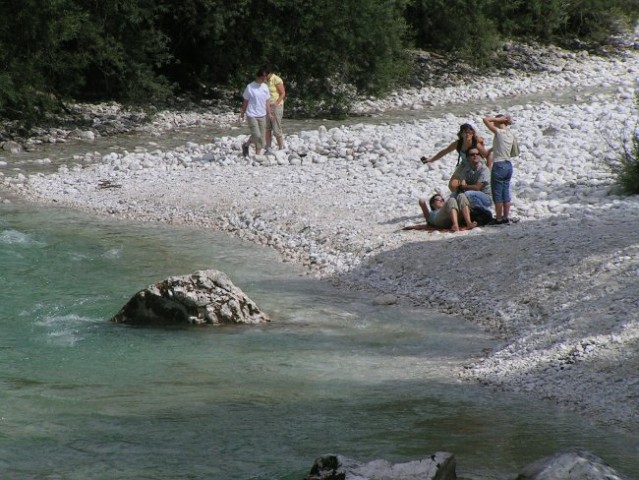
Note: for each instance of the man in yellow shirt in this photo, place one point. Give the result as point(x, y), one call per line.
point(274, 124)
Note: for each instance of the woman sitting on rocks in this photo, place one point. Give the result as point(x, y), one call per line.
point(467, 138)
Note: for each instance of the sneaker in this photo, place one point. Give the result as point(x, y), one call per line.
point(504, 221)
point(268, 151)
point(245, 149)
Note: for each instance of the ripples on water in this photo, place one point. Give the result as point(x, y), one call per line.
point(83, 398)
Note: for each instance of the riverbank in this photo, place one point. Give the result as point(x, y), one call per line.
point(561, 287)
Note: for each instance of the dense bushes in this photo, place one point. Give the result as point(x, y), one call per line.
point(326, 48)
point(146, 51)
point(54, 50)
point(473, 27)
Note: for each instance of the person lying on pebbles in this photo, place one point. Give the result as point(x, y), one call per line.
point(445, 213)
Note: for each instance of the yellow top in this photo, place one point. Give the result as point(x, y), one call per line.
point(273, 82)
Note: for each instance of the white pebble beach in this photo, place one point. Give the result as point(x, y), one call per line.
point(560, 288)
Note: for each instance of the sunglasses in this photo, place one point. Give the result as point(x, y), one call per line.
point(473, 154)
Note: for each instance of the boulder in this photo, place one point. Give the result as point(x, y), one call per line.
point(573, 464)
point(204, 297)
point(440, 466)
point(11, 146)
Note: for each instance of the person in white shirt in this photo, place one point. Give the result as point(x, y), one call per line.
point(256, 107)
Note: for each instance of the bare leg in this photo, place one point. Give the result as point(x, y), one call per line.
point(454, 217)
point(280, 141)
point(506, 210)
point(466, 215)
point(499, 211)
point(268, 138)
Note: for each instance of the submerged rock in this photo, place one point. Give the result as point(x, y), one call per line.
point(440, 466)
point(204, 297)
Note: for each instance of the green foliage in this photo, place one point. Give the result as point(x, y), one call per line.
point(52, 50)
point(36, 56)
point(337, 49)
point(462, 26)
point(595, 20)
point(125, 50)
point(328, 51)
point(473, 28)
point(208, 41)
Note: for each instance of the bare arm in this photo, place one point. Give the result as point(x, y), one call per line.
point(482, 150)
point(425, 210)
point(490, 123)
point(282, 91)
point(476, 187)
point(440, 154)
point(269, 110)
point(243, 109)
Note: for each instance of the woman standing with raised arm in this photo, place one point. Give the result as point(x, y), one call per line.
point(504, 147)
point(467, 138)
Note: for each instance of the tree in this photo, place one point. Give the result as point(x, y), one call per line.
point(54, 50)
point(328, 51)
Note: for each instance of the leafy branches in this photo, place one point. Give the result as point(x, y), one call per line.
point(329, 51)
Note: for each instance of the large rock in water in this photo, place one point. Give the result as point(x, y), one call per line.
point(440, 466)
point(573, 464)
point(204, 297)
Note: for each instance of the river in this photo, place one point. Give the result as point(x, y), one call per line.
point(81, 397)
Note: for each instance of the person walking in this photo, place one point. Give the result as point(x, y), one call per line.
point(256, 107)
point(277, 94)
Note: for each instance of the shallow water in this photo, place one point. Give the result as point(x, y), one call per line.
point(82, 398)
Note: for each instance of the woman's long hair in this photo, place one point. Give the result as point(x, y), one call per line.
point(460, 136)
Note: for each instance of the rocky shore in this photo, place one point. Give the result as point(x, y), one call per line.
point(560, 287)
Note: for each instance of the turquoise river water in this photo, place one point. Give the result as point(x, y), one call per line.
point(83, 398)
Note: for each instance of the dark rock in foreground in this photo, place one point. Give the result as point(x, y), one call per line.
point(440, 466)
point(204, 297)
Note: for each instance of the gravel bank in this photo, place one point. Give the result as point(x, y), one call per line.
point(561, 287)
